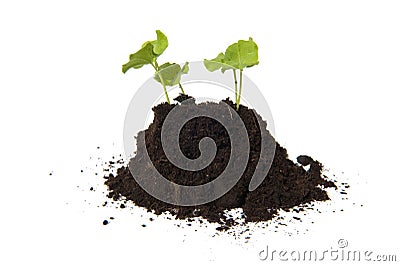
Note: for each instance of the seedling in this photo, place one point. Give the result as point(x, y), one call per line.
point(238, 56)
point(168, 74)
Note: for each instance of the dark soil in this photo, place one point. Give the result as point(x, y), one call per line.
point(286, 185)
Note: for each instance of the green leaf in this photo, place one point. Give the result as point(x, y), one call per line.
point(214, 64)
point(148, 53)
point(142, 57)
point(185, 68)
point(237, 56)
point(160, 44)
point(242, 54)
point(217, 63)
point(170, 73)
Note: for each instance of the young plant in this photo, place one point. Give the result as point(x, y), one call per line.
point(167, 74)
point(237, 57)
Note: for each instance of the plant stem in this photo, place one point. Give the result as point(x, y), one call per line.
point(240, 89)
point(235, 78)
point(164, 87)
point(166, 94)
point(155, 66)
point(180, 86)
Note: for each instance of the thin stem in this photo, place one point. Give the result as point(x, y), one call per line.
point(235, 78)
point(166, 94)
point(240, 89)
point(180, 86)
point(164, 87)
point(156, 67)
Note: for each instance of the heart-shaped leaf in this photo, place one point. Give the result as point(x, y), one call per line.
point(142, 57)
point(217, 63)
point(170, 74)
point(160, 44)
point(242, 54)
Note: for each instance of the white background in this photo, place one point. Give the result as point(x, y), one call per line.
point(328, 69)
